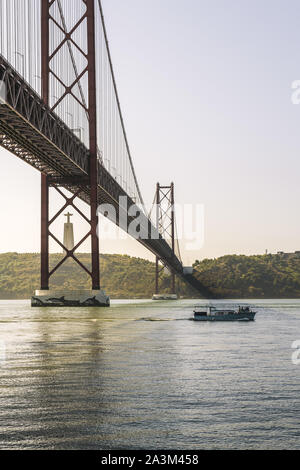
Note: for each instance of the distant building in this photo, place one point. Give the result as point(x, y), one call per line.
point(296, 254)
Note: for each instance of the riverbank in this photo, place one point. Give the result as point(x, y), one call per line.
point(123, 277)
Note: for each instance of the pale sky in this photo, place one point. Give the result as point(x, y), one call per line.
point(205, 88)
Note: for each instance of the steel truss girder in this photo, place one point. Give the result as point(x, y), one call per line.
point(25, 111)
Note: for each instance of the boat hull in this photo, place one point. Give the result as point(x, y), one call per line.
point(244, 317)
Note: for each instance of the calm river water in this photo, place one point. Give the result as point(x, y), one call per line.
point(141, 374)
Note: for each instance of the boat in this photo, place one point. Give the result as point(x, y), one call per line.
point(210, 313)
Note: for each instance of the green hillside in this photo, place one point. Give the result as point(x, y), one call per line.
point(121, 276)
point(267, 276)
point(232, 276)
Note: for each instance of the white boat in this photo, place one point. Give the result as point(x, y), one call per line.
point(210, 313)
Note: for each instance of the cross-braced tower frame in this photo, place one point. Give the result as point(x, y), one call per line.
point(70, 88)
point(165, 223)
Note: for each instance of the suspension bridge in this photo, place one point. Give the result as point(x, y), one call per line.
point(62, 115)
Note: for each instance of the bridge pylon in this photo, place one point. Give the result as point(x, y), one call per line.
point(95, 296)
point(165, 224)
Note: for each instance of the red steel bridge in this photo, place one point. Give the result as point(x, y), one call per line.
point(62, 115)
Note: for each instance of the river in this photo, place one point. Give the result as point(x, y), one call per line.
point(142, 375)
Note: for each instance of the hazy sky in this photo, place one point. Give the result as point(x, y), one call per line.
point(205, 88)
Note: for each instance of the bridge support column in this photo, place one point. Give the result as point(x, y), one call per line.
point(44, 179)
point(157, 276)
point(93, 141)
point(173, 282)
point(44, 233)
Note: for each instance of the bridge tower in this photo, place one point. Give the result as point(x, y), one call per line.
point(165, 224)
point(48, 71)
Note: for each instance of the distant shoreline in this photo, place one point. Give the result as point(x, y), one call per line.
point(124, 277)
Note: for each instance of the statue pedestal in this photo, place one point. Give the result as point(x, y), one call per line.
point(68, 233)
point(79, 298)
point(69, 236)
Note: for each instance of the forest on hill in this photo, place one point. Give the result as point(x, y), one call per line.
point(260, 276)
point(231, 276)
point(121, 276)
